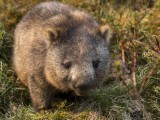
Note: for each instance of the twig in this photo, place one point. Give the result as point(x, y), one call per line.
point(123, 56)
point(124, 67)
point(125, 72)
point(158, 44)
point(144, 81)
point(133, 71)
point(136, 94)
point(123, 64)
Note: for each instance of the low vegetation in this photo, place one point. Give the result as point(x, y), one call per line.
point(131, 92)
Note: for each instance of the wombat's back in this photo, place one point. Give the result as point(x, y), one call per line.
point(46, 10)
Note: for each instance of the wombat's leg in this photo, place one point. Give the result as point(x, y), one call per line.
point(40, 92)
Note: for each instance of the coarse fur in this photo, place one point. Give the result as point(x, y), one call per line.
point(58, 47)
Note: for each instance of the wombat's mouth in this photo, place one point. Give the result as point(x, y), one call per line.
point(80, 92)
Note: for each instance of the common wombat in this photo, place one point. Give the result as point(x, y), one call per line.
point(58, 47)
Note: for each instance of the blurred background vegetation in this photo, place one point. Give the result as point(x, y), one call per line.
point(132, 91)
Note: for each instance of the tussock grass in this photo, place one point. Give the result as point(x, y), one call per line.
point(135, 24)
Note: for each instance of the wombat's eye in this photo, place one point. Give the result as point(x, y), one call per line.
point(95, 63)
point(66, 64)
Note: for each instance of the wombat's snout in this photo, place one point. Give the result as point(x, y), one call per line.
point(83, 85)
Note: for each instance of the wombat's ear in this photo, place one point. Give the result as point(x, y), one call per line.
point(105, 33)
point(52, 35)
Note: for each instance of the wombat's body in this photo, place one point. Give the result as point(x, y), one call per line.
point(58, 47)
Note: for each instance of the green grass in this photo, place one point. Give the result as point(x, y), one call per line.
point(136, 24)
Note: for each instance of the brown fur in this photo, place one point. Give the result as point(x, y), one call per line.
point(51, 37)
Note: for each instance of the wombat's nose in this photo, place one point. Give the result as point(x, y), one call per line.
point(85, 86)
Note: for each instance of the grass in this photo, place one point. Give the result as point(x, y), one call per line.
point(135, 24)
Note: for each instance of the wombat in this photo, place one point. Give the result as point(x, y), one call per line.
point(60, 48)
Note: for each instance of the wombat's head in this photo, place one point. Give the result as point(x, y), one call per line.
point(77, 57)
